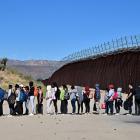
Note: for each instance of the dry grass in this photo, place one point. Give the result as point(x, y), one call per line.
point(10, 76)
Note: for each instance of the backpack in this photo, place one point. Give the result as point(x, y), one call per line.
point(12, 98)
point(137, 94)
point(126, 105)
point(67, 96)
point(97, 95)
point(22, 97)
point(35, 91)
point(2, 93)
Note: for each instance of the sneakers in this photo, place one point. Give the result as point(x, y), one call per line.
point(31, 114)
point(129, 114)
point(117, 114)
point(105, 114)
point(9, 116)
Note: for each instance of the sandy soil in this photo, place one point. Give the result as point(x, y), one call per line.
point(69, 127)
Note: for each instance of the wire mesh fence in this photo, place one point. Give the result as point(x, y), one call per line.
point(119, 45)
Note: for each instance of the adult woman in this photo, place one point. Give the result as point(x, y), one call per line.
point(109, 99)
point(11, 100)
point(86, 99)
point(39, 100)
point(32, 98)
point(73, 93)
point(80, 99)
point(63, 98)
point(49, 99)
point(129, 98)
point(55, 95)
point(118, 100)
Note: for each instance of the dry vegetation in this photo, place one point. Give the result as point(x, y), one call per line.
point(10, 76)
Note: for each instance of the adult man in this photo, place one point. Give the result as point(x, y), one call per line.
point(137, 100)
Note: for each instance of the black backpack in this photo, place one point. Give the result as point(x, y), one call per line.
point(137, 94)
point(12, 99)
point(126, 105)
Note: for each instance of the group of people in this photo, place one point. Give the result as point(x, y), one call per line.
point(21, 96)
point(113, 98)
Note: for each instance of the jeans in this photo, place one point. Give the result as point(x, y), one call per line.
point(96, 106)
point(80, 106)
point(109, 106)
point(117, 105)
point(49, 106)
point(27, 106)
point(32, 104)
point(12, 109)
point(73, 105)
point(87, 105)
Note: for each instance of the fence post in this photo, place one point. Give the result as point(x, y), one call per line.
point(126, 41)
point(132, 41)
point(136, 40)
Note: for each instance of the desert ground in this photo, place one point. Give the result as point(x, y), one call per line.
point(69, 127)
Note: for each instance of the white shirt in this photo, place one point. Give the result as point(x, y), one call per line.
point(9, 92)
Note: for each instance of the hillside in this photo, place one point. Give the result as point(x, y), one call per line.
point(13, 77)
point(38, 69)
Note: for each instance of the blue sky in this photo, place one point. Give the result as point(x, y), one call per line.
point(53, 29)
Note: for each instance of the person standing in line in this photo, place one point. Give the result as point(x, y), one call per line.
point(64, 97)
point(80, 99)
point(97, 98)
point(22, 97)
point(137, 101)
point(32, 98)
point(106, 101)
point(109, 99)
point(118, 100)
point(18, 107)
point(86, 99)
point(11, 100)
point(73, 93)
point(55, 96)
point(2, 92)
point(10, 90)
point(49, 99)
point(26, 89)
point(40, 100)
point(129, 98)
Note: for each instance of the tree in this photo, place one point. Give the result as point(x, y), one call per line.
point(4, 63)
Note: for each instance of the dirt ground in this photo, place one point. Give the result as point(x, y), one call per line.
point(69, 127)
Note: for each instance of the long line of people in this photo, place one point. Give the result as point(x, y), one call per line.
point(79, 97)
point(113, 98)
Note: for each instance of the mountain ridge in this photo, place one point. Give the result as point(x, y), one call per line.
point(38, 69)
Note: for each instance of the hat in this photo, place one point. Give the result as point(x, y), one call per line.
point(21, 86)
point(111, 86)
